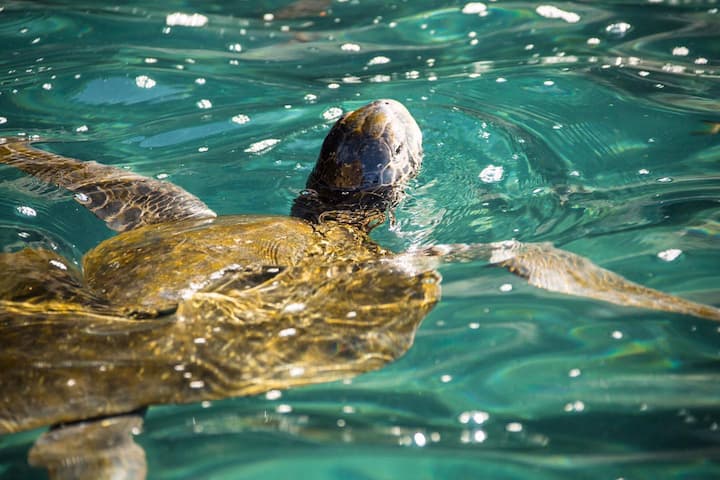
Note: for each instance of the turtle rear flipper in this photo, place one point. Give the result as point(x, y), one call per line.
point(36, 276)
point(122, 199)
point(556, 270)
point(101, 449)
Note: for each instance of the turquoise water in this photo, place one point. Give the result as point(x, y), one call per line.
point(577, 125)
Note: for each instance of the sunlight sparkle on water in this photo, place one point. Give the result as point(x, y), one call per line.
point(550, 11)
point(273, 394)
point(240, 119)
point(379, 60)
point(476, 416)
point(475, 8)
point(26, 211)
point(576, 406)
point(186, 20)
point(514, 427)
point(670, 254)
point(491, 174)
point(618, 29)
point(332, 113)
point(262, 146)
point(143, 81)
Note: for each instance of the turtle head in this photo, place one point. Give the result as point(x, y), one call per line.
point(365, 162)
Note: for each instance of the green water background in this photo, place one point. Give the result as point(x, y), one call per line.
point(592, 111)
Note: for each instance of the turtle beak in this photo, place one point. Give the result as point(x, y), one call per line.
point(368, 157)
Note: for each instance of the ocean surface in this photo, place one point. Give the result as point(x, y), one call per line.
point(589, 124)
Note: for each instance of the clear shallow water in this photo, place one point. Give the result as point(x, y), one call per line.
point(592, 118)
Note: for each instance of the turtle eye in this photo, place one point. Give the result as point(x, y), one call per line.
point(398, 149)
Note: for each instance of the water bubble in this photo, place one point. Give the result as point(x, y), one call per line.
point(680, 51)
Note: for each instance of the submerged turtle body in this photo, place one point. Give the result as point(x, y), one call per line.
point(273, 302)
point(183, 306)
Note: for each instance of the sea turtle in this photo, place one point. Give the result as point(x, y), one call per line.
point(185, 306)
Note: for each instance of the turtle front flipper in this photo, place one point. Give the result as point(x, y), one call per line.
point(101, 449)
point(122, 199)
point(556, 270)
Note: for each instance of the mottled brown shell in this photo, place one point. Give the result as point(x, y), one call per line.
point(222, 307)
